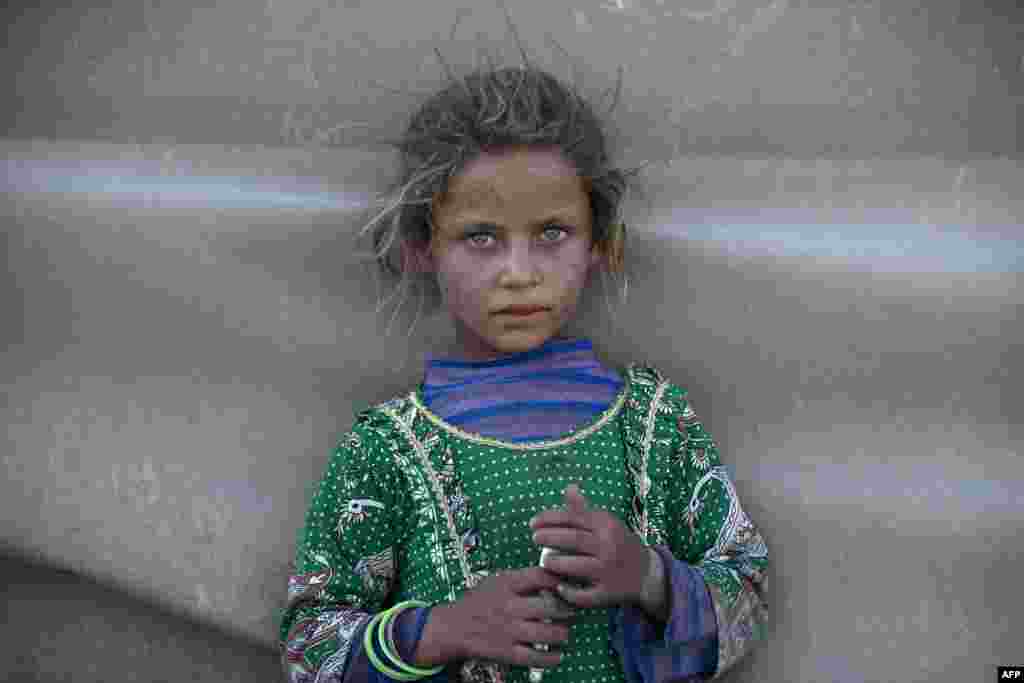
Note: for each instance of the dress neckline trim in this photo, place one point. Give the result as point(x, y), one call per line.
point(583, 432)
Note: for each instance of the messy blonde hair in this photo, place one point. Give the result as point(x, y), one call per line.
point(494, 107)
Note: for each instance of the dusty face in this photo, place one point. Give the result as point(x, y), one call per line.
point(514, 228)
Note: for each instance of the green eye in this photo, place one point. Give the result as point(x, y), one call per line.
point(469, 236)
point(556, 227)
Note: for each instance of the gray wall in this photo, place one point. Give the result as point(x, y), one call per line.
point(828, 258)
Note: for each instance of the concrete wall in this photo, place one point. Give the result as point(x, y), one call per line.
point(829, 259)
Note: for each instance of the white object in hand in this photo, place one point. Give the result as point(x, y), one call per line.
point(536, 673)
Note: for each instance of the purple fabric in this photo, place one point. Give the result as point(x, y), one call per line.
point(683, 648)
point(529, 396)
point(543, 394)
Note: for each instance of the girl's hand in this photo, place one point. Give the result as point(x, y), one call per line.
point(501, 618)
point(599, 550)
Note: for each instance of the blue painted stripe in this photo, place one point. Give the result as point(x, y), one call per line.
point(895, 240)
point(174, 184)
point(887, 239)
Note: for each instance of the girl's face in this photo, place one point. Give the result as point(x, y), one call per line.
point(514, 228)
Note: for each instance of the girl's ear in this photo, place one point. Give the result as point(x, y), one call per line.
point(597, 255)
point(607, 255)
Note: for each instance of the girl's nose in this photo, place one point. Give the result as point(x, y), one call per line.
point(519, 264)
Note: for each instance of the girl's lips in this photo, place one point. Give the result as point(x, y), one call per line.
point(521, 311)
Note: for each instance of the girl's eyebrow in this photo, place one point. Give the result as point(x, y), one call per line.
point(565, 214)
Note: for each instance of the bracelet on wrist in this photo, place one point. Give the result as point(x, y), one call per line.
point(368, 648)
point(381, 627)
point(387, 630)
point(391, 650)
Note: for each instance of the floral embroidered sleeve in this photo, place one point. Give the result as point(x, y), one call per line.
point(714, 562)
point(710, 531)
point(345, 570)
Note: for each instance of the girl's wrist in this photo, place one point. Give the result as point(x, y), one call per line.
point(654, 594)
point(438, 644)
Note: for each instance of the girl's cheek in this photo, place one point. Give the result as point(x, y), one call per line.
point(462, 282)
point(466, 277)
point(576, 273)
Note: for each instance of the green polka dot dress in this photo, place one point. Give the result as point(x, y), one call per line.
point(412, 507)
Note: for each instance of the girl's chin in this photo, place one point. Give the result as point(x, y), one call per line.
point(512, 341)
point(517, 336)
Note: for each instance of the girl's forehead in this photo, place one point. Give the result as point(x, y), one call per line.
point(499, 175)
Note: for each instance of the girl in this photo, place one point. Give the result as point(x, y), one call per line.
point(419, 556)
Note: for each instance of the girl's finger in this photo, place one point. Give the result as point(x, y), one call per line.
point(574, 498)
point(556, 518)
point(582, 568)
point(579, 596)
point(567, 541)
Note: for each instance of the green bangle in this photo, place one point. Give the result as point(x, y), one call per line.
point(368, 647)
point(379, 623)
point(392, 651)
point(387, 628)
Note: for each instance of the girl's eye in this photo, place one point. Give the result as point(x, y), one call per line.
point(470, 236)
